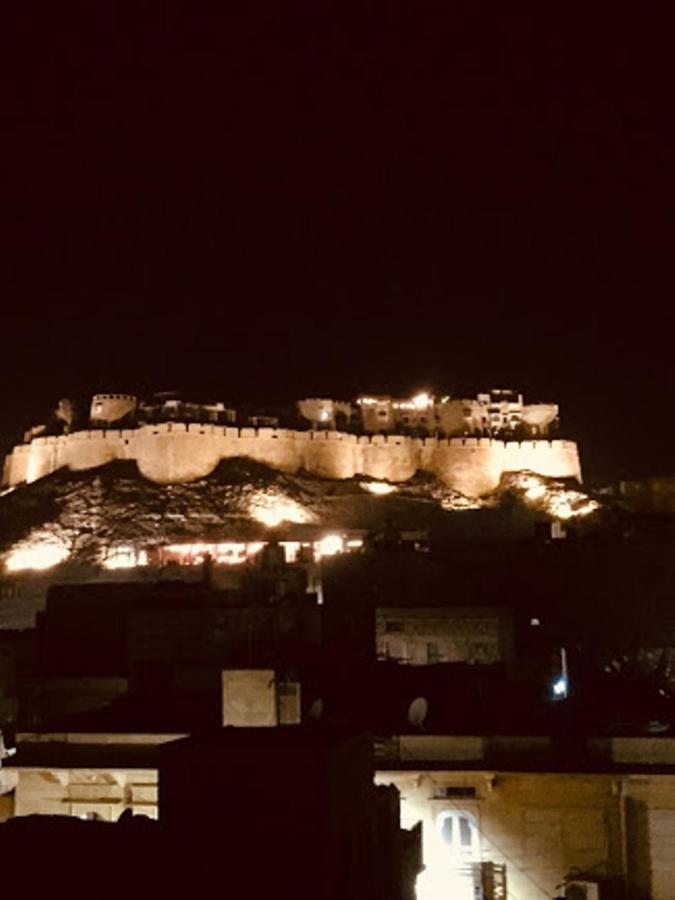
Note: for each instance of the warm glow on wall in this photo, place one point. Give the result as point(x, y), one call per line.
point(44, 554)
point(454, 502)
point(125, 557)
point(380, 488)
point(233, 554)
point(36, 555)
point(271, 510)
point(330, 545)
point(536, 492)
point(572, 504)
point(229, 553)
point(422, 401)
point(553, 498)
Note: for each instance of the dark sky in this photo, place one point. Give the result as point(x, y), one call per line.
point(266, 203)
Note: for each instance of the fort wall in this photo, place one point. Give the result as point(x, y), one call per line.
point(555, 459)
point(472, 466)
point(176, 452)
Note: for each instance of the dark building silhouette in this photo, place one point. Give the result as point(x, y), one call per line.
point(293, 810)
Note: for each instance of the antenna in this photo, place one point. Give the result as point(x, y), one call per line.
point(417, 712)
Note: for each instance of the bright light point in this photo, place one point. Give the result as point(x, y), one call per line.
point(535, 622)
point(271, 510)
point(421, 401)
point(560, 687)
point(291, 550)
point(380, 488)
point(36, 555)
point(329, 545)
point(270, 516)
point(445, 881)
point(536, 492)
point(572, 504)
point(449, 859)
point(125, 557)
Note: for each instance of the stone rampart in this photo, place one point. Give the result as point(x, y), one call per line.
point(472, 466)
point(176, 452)
point(555, 459)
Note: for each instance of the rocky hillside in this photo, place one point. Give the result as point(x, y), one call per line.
point(90, 512)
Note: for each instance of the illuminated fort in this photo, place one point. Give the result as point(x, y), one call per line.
point(468, 444)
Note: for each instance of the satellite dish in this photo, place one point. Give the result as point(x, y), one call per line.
point(654, 726)
point(316, 710)
point(417, 711)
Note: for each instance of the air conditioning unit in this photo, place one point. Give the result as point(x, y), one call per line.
point(582, 890)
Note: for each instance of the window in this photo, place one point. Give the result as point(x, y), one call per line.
point(458, 833)
point(447, 830)
point(393, 627)
point(382, 413)
point(465, 834)
point(462, 791)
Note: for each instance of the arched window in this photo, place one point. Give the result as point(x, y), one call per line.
point(451, 858)
point(458, 833)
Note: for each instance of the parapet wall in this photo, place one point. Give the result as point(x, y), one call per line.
point(175, 452)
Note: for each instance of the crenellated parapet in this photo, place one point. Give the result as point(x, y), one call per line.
point(174, 452)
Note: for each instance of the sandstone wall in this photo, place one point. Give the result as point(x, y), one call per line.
point(77, 792)
point(541, 826)
point(390, 458)
point(175, 452)
point(472, 466)
point(556, 459)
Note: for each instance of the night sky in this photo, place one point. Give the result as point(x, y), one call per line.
point(271, 204)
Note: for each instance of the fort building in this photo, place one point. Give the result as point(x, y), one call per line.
point(467, 445)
